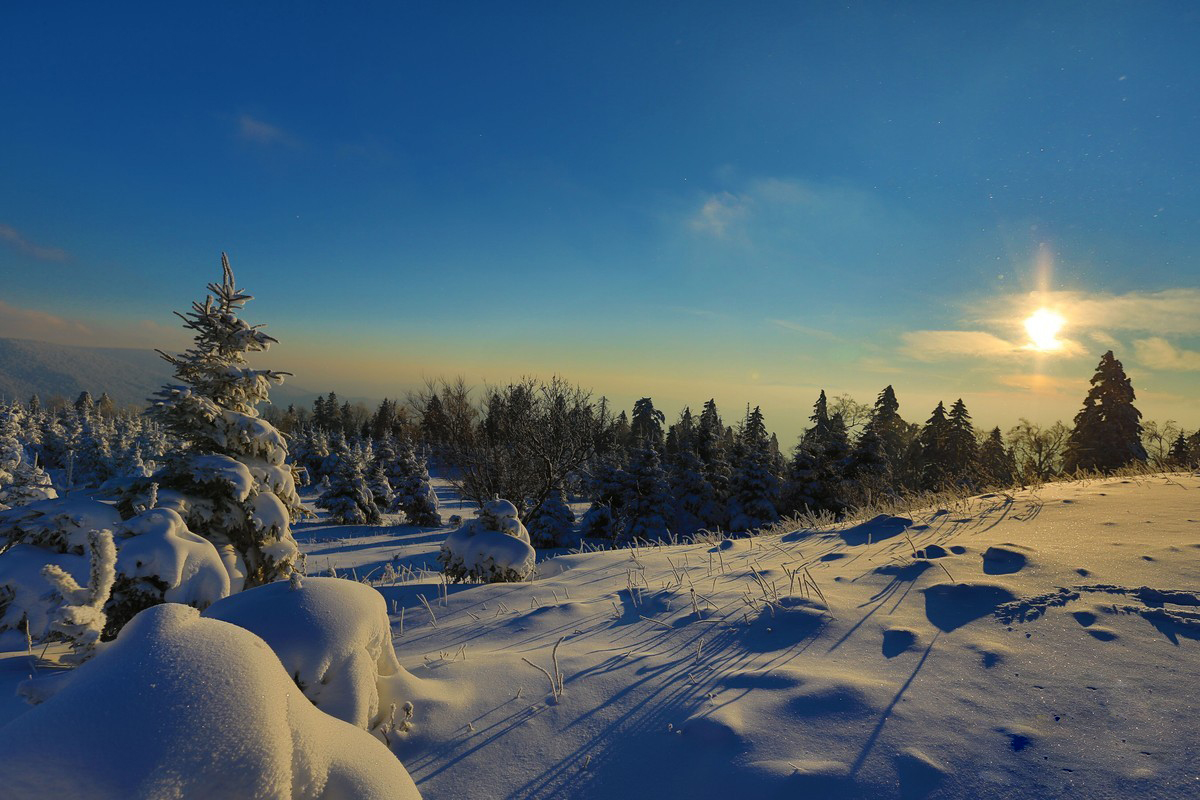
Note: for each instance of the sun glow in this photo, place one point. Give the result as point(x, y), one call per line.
point(1043, 327)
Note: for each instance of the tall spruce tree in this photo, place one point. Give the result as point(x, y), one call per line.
point(962, 448)
point(934, 443)
point(754, 488)
point(997, 466)
point(1108, 429)
point(646, 508)
point(230, 479)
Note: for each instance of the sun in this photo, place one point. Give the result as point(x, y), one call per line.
point(1043, 326)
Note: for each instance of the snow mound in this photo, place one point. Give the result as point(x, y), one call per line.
point(158, 545)
point(182, 706)
point(333, 637)
point(494, 547)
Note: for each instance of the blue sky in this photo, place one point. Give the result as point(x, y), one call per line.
point(750, 201)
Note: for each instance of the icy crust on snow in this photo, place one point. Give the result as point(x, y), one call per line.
point(493, 547)
point(158, 544)
point(333, 637)
point(25, 593)
point(59, 523)
point(182, 706)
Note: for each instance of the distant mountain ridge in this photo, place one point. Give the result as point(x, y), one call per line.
point(129, 375)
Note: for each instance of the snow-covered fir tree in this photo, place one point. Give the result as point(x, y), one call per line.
point(349, 499)
point(754, 488)
point(230, 480)
point(552, 523)
point(22, 480)
point(933, 441)
point(997, 467)
point(962, 448)
point(1108, 430)
point(647, 507)
point(413, 493)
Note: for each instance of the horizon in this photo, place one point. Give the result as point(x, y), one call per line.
point(750, 207)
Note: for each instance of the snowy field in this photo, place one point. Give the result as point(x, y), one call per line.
point(1039, 644)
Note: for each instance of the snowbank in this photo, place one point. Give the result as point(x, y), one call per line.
point(494, 547)
point(158, 545)
point(334, 639)
point(182, 706)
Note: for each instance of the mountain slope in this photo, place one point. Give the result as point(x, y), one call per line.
point(129, 375)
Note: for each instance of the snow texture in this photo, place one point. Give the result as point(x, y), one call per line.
point(181, 706)
point(333, 637)
point(157, 544)
point(493, 547)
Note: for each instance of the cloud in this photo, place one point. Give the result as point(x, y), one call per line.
point(1158, 353)
point(264, 133)
point(1043, 384)
point(29, 323)
point(718, 213)
point(1167, 312)
point(936, 345)
point(14, 238)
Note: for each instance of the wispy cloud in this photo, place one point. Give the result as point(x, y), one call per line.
point(718, 213)
point(1157, 353)
point(938, 345)
point(807, 330)
point(30, 323)
point(255, 130)
point(1165, 313)
point(15, 239)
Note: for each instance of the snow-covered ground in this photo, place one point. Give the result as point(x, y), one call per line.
point(1046, 646)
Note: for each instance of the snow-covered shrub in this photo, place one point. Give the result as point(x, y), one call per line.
point(599, 522)
point(333, 637)
point(349, 499)
point(50, 532)
point(22, 481)
point(494, 547)
point(414, 495)
point(232, 481)
point(553, 522)
point(161, 561)
point(81, 616)
point(182, 706)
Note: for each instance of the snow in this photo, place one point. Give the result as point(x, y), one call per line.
point(333, 637)
point(157, 544)
point(24, 590)
point(1040, 643)
point(223, 469)
point(62, 523)
point(181, 706)
point(493, 547)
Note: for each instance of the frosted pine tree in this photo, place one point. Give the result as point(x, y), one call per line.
point(377, 474)
point(349, 499)
point(552, 523)
point(413, 493)
point(754, 488)
point(22, 481)
point(229, 480)
point(647, 509)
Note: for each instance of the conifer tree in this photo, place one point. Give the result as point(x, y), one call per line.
point(817, 469)
point(647, 422)
point(962, 448)
point(997, 466)
point(889, 427)
point(413, 493)
point(1108, 429)
point(934, 450)
point(552, 523)
point(349, 499)
point(754, 488)
point(646, 509)
point(1181, 453)
point(229, 479)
